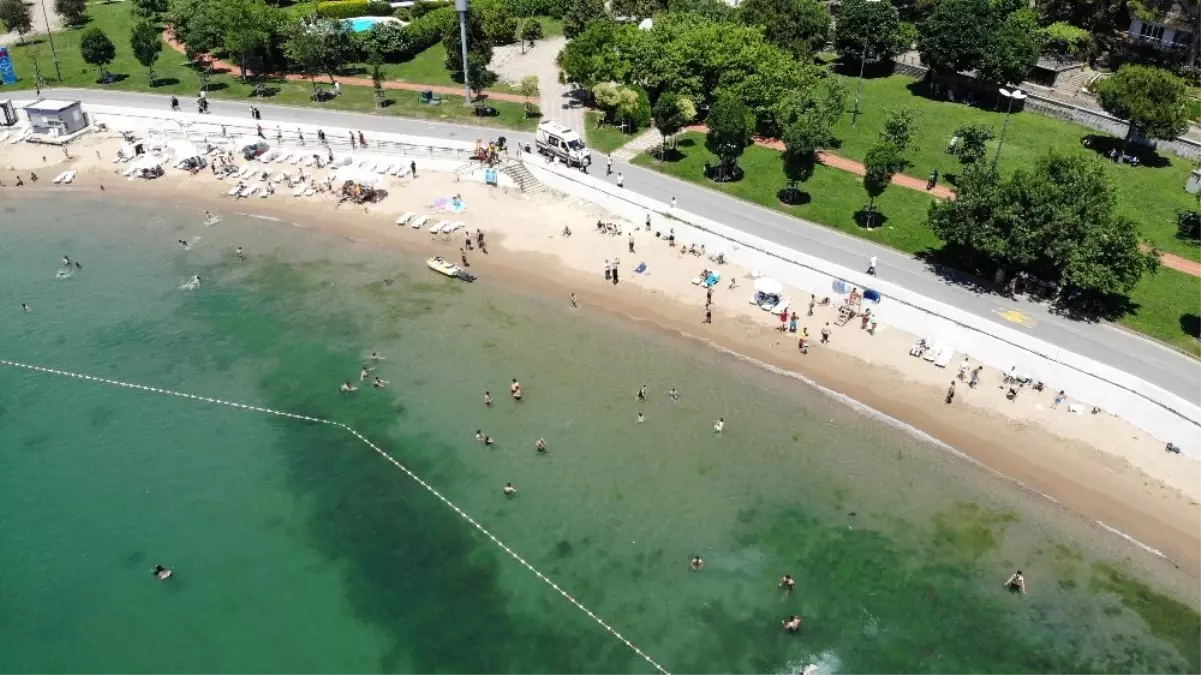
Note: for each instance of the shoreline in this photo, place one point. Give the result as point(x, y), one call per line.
point(1152, 503)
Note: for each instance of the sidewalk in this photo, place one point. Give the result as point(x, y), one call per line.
point(366, 82)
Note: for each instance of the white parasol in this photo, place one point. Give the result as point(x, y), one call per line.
point(768, 286)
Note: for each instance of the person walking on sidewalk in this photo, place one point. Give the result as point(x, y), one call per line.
point(620, 180)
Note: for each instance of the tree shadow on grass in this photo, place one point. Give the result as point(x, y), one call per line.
point(267, 91)
point(668, 154)
point(164, 82)
point(1190, 324)
point(1103, 145)
point(791, 197)
point(216, 86)
point(870, 220)
point(871, 71)
point(112, 78)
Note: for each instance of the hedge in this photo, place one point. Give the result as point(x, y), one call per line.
point(344, 9)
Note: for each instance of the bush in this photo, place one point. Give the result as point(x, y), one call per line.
point(427, 30)
point(640, 115)
point(378, 8)
point(403, 14)
point(388, 40)
point(500, 26)
point(422, 7)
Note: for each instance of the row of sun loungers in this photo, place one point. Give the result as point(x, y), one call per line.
point(438, 227)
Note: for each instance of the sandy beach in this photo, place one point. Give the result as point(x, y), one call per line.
point(1094, 464)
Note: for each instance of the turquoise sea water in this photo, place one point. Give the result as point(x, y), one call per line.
point(298, 548)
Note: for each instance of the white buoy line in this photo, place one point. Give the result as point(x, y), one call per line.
point(512, 554)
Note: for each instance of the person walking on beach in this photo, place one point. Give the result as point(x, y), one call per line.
point(951, 392)
point(321, 137)
point(353, 144)
point(709, 296)
point(812, 302)
point(413, 168)
point(963, 368)
point(515, 390)
point(708, 316)
point(174, 104)
point(1059, 398)
point(871, 266)
point(574, 303)
point(362, 140)
point(487, 399)
point(631, 242)
point(975, 377)
point(826, 333)
point(673, 203)
point(648, 221)
point(463, 257)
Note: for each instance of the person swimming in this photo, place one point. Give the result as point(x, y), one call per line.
point(376, 356)
point(788, 583)
point(479, 435)
point(696, 563)
point(26, 308)
point(183, 244)
point(78, 266)
point(1016, 583)
point(793, 624)
point(719, 424)
point(66, 261)
point(161, 573)
point(240, 253)
point(487, 399)
point(194, 282)
point(540, 446)
point(487, 440)
point(641, 418)
point(509, 489)
point(364, 374)
point(515, 390)
point(379, 384)
point(62, 274)
point(348, 387)
point(673, 394)
point(642, 393)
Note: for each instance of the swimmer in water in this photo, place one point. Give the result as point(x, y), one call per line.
point(195, 282)
point(363, 375)
point(1016, 583)
point(66, 261)
point(788, 583)
point(376, 356)
point(240, 253)
point(719, 424)
point(540, 446)
point(26, 308)
point(78, 266)
point(379, 384)
point(183, 244)
point(793, 624)
point(487, 399)
point(697, 563)
point(642, 393)
point(487, 440)
point(640, 419)
point(348, 387)
point(515, 390)
point(673, 394)
point(161, 573)
point(509, 489)
point(62, 274)
point(479, 435)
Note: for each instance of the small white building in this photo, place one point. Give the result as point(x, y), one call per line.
point(1170, 29)
point(53, 119)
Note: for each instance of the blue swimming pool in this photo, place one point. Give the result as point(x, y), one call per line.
point(359, 24)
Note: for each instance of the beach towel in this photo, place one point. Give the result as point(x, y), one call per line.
point(640, 268)
point(450, 204)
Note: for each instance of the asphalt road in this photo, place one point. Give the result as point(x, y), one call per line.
point(1102, 342)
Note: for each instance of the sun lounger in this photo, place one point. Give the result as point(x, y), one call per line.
point(420, 222)
point(405, 218)
point(59, 178)
point(310, 192)
point(244, 172)
point(447, 228)
point(294, 158)
point(933, 351)
point(248, 190)
point(402, 171)
point(944, 357)
point(437, 227)
point(69, 177)
point(308, 160)
point(130, 171)
point(300, 190)
point(279, 177)
point(394, 169)
point(457, 225)
point(781, 306)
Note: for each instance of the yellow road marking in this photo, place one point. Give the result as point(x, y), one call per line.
point(1014, 316)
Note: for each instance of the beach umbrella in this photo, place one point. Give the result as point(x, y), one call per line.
point(841, 286)
point(249, 142)
point(183, 149)
point(356, 175)
point(768, 286)
point(148, 162)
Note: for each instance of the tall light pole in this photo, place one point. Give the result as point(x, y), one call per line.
point(862, 65)
point(50, 37)
point(461, 6)
point(1015, 95)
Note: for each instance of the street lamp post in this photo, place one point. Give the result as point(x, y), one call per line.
point(50, 37)
point(1015, 95)
point(461, 7)
point(862, 65)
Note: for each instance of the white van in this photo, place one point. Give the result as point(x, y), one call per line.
point(558, 141)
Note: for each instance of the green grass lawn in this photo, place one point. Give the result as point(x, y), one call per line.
point(176, 76)
point(835, 195)
point(1149, 195)
point(604, 139)
point(428, 67)
point(1167, 306)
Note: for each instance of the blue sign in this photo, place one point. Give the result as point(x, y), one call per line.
point(7, 74)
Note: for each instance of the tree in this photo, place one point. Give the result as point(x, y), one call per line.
point(881, 163)
point(1064, 41)
point(15, 17)
point(874, 24)
point(146, 45)
point(634, 108)
point(582, 13)
point(1013, 49)
point(479, 53)
point(953, 36)
point(607, 96)
point(637, 9)
point(149, 9)
point(377, 84)
point(529, 89)
point(1151, 100)
point(808, 119)
point(500, 26)
point(591, 56)
point(249, 25)
point(72, 10)
point(800, 27)
point(731, 126)
point(531, 32)
point(1054, 221)
point(898, 129)
point(302, 46)
point(671, 113)
point(97, 49)
point(971, 147)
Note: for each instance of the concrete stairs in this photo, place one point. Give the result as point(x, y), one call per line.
point(525, 180)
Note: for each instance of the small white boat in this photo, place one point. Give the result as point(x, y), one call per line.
point(420, 222)
point(447, 268)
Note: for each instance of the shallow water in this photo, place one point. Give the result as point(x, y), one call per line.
point(297, 547)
